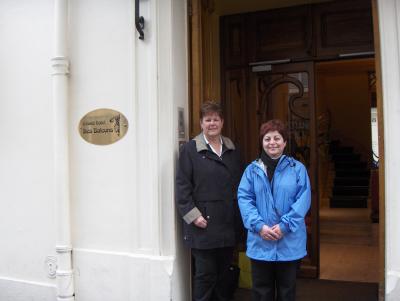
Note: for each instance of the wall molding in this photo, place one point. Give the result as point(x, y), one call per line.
point(22, 289)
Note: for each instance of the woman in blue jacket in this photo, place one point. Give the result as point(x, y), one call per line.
point(274, 196)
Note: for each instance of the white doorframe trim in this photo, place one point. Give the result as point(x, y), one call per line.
point(389, 34)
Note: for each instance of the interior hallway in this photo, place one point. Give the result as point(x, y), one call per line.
point(349, 245)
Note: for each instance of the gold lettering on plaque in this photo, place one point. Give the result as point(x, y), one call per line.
point(103, 126)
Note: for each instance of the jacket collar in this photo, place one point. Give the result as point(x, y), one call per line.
point(283, 162)
point(201, 144)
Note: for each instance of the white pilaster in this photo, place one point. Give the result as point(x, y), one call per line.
point(147, 134)
point(389, 31)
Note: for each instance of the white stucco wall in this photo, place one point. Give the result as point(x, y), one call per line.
point(124, 231)
point(123, 213)
point(125, 235)
point(103, 178)
point(26, 171)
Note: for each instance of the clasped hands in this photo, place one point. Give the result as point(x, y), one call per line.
point(271, 233)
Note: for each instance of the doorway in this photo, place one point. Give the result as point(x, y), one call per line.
point(349, 247)
point(256, 81)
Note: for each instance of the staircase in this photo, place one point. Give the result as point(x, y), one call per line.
point(351, 183)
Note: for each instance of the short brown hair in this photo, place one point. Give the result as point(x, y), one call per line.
point(211, 107)
point(271, 126)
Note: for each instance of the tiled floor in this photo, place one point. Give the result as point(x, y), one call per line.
point(348, 245)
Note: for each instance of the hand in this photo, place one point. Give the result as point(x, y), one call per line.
point(277, 230)
point(268, 234)
point(200, 222)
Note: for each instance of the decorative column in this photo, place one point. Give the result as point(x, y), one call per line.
point(60, 66)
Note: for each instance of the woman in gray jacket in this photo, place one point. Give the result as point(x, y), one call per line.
point(207, 178)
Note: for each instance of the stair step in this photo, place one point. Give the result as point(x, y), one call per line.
point(350, 190)
point(345, 156)
point(350, 164)
point(348, 198)
point(351, 181)
point(348, 202)
point(343, 172)
point(360, 204)
point(340, 149)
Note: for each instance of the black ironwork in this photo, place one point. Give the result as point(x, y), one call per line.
point(139, 21)
point(284, 80)
point(298, 124)
point(324, 125)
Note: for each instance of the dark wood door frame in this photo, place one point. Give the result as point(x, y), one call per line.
point(196, 98)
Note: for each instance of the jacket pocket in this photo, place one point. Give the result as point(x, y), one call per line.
point(218, 212)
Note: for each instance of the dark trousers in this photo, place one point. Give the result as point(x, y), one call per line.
point(274, 280)
point(210, 274)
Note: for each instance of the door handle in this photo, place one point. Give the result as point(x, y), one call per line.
point(139, 21)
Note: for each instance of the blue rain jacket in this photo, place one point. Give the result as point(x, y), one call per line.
point(284, 201)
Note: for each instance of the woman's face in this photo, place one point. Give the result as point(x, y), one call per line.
point(211, 124)
point(273, 144)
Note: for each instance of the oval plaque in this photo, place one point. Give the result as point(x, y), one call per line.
point(103, 126)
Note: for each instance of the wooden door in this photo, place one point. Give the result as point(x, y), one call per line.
point(343, 28)
point(284, 33)
point(285, 92)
